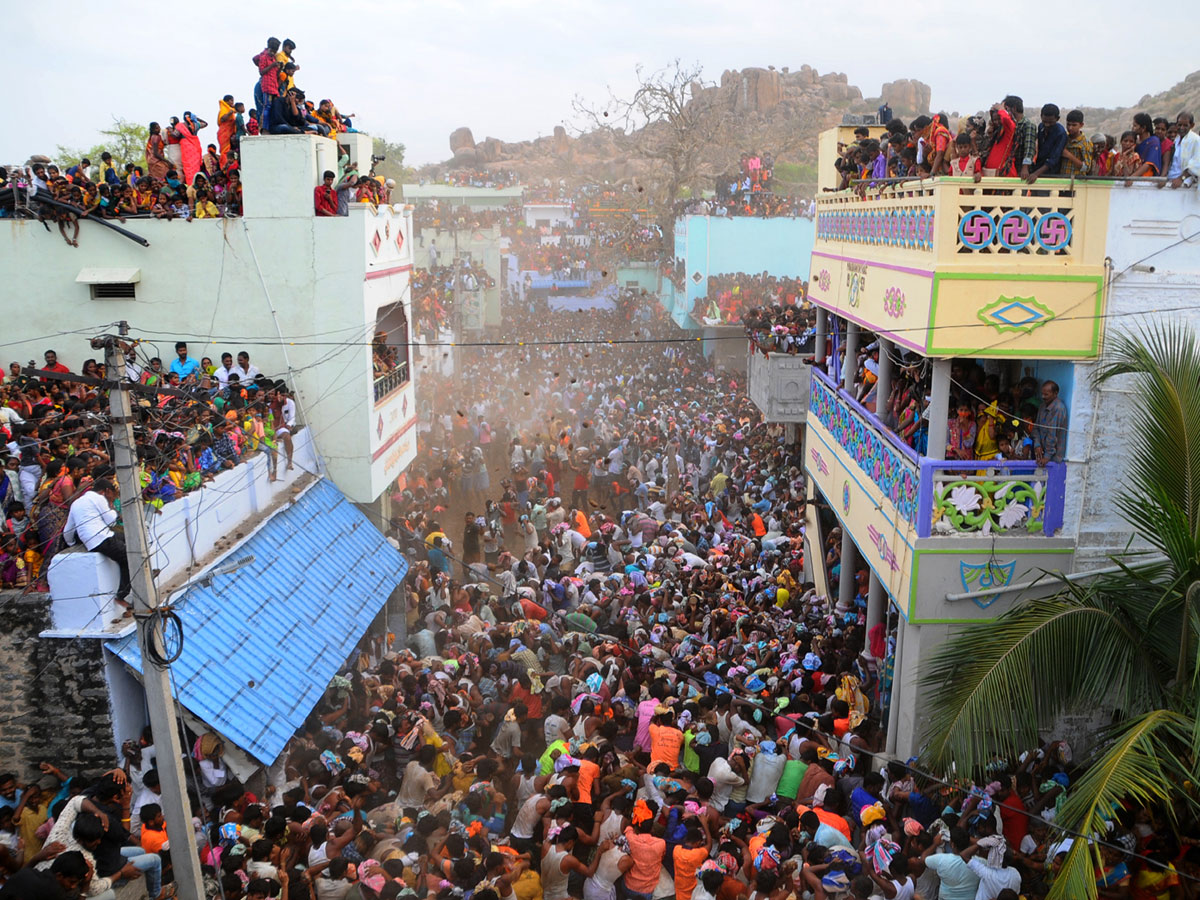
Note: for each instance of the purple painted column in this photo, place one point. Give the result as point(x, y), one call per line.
point(925, 496)
point(1056, 497)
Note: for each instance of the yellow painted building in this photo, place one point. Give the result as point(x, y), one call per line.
point(1019, 279)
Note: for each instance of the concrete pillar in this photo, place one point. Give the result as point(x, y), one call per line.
point(893, 723)
point(851, 356)
point(822, 336)
point(876, 604)
point(884, 387)
point(849, 561)
point(790, 433)
point(939, 409)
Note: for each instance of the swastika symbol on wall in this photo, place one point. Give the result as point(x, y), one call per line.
point(1015, 231)
point(1053, 231)
point(977, 229)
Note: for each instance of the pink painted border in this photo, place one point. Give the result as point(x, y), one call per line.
point(928, 273)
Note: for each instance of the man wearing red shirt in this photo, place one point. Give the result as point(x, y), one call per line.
point(324, 197)
point(266, 93)
point(53, 365)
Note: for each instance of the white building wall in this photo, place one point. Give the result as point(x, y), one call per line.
point(556, 213)
point(1154, 275)
point(215, 283)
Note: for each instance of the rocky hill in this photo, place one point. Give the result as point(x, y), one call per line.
point(1183, 97)
point(777, 110)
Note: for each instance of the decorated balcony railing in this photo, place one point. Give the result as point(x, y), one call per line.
point(948, 267)
point(392, 381)
point(931, 528)
point(1002, 497)
point(932, 497)
point(870, 448)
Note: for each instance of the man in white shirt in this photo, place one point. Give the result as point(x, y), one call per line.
point(1185, 162)
point(246, 370)
point(725, 776)
point(90, 522)
point(222, 374)
point(285, 422)
point(133, 369)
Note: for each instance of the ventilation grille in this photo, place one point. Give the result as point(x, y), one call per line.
point(119, 291)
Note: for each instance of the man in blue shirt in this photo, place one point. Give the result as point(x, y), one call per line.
point(1051, 140)
point(437, 558)
point(184, 367)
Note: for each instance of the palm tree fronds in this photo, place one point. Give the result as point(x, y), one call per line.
point(986, 683)
point(1163, 498)
point(1135, 765)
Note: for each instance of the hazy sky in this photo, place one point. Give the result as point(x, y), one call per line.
point(509, 68)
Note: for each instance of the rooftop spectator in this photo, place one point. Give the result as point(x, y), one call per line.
point(1007, 144)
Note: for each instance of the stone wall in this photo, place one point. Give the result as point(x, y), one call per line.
point(54, 704)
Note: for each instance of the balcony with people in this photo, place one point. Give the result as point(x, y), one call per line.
point(940, 457)
point(992, 242)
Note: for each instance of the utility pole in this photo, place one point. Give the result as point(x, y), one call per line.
point(156, 680)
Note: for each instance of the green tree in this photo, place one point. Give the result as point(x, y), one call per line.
point(675, 124)
point(125, 140)
point(1126, 641)
point(392, 166)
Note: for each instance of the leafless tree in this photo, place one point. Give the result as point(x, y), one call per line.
point(674, 123)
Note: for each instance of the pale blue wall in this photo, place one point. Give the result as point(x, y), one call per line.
point(714, 245)
point(645, 274)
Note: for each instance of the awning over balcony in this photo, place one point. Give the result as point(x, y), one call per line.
point(261, 643)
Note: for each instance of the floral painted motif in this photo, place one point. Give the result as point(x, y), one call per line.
point(823, 280)
point(895, 475)
point(984, 504)
point(894, 302)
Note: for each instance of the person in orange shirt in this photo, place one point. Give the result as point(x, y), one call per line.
point(689, 856)
point(665, 739)
point(581, 523)
point(589, 771)
point(154, 829)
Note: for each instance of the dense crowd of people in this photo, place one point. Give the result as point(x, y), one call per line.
point(991, 415)
point(730, 294)
point(1007, 143)
point(782, 328)
point(57, 445)
point(442, 216)
point(180, 177)
point(479, 178)
point(615, 680)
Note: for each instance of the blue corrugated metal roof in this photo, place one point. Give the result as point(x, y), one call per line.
point(261, 643)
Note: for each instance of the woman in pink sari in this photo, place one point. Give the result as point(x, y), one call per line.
point(189, 145)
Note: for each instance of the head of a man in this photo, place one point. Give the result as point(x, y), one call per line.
point(70, 870)
point(181, 350)
point(106, 489)
point(51, 358)
point(1049, 391)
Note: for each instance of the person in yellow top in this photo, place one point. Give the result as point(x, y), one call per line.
point(283, 57)
point(986, 440)
point(205, 208)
